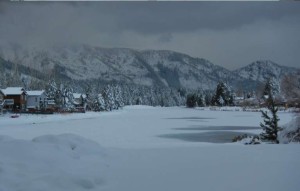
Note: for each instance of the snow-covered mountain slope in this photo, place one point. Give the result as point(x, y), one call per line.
point(265, 69)
point(162, 68)
point(149, 67)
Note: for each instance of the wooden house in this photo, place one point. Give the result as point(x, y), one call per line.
point(78, 99)
point(14, 97)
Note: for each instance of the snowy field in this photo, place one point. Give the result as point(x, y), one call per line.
point(143, 148)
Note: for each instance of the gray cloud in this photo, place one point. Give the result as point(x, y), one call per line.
point(166, 37)
point(229, 34)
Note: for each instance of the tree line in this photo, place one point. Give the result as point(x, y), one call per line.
point(114, 96)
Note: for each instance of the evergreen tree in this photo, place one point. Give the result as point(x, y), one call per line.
point(69, 101)
point(270, 125)
point(191, 100)
point(200, 100)
point(223, 95)
point(51, 89)
point(109, 98)
point(100, 103)
point(89, 99)
point(271, 88)
point(208, 98)
point(118, 97)
point(54, 93)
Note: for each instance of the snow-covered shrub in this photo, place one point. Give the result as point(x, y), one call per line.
point(251, 140)
point(291, 131)
point(247, 139)
point(239, 138)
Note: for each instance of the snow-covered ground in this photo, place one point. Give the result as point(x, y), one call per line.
point(143, 148)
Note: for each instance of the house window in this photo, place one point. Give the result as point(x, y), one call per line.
point(35, 99)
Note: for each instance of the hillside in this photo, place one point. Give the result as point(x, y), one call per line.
point(263, 69)
point(149, 67)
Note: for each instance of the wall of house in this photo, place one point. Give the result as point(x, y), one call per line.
point(34, 101)
point(19, 101)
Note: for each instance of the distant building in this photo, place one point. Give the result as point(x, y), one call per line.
point(36, 100)
point(238, 100)
point(51, 103)
point(78, 99)
point(14, 97)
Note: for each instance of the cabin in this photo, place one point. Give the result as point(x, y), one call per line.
point(14, 98)
point(78, 99)
point(51, 104)
point(36, 100)
point(79, 102)
point(238, 100)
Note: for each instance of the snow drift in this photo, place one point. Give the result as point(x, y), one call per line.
point(51, 162)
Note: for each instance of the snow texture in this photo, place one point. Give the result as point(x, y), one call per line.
point(61, 162)
point(46, 152)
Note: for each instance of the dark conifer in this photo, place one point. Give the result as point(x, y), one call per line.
point(191, 100)
point(270, 125)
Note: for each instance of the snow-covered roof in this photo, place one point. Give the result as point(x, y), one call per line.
point(76, 103)
point(13, 91)
point(76, 95)
point(239, 98)
point(35, 92)
point(50, 102)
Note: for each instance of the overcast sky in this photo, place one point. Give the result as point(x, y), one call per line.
point(230, 34)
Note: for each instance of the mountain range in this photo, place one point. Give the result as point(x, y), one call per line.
point(84, 63)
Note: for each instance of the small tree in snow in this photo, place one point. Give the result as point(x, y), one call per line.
point(270, 125)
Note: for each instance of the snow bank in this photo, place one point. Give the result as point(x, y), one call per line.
point(7, 120)
point(130, 107)
point(224, 167)
point(61, 162)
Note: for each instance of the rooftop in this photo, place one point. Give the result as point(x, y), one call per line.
point(35, 92)
point(76, 95)
point(13, 91)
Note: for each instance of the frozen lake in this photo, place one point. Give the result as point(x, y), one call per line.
point(141, 126)
point(210, 134)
